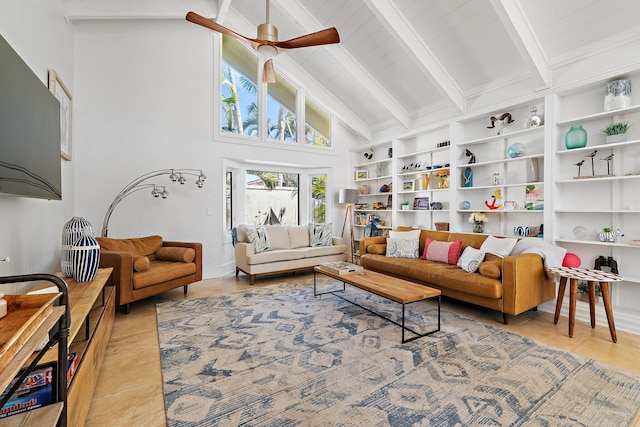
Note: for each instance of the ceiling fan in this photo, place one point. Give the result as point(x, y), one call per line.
point(266, 43)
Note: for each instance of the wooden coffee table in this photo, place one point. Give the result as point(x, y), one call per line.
point(392, 288)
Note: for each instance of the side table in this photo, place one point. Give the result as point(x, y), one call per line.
point(591, 277)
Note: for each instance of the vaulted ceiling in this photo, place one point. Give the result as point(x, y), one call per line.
point(400, 59)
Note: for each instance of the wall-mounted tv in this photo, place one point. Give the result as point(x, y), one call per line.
point(30, 163)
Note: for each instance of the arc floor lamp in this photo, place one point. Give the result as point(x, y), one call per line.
point(175, 175)
point(349, 197)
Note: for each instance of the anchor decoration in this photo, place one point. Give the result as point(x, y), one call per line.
point(495, 202)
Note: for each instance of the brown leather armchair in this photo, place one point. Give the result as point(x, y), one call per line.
point(147, 266)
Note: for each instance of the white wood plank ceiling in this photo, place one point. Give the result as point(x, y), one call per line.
point(400, 58)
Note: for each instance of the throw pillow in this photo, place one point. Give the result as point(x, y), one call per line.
point(259, 238)
point(448, 252)
point(491, 269)
point(470, 259)
point(141, 263)
point(176, 254)
point(401, 248)
point(377, 249)
point(501, 247)
point(321, 234)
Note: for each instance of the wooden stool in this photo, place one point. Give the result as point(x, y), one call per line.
point(591, 277)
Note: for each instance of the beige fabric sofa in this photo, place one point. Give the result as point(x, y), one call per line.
point(291, 251)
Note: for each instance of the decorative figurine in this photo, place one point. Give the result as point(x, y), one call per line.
point(472, 157)
point(368, 154)
point(467, 177)
point(579, 165)
point(608, 160)
point(534, 119)
point(496, 200)
point(500, 122)
point(592, 155)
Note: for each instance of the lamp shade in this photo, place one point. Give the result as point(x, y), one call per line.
point(348, 195)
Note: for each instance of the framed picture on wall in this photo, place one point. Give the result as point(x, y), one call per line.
point(362, 174)
point(421, 203)
point(60, 91)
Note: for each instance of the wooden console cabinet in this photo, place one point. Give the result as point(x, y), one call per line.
point(92, 308)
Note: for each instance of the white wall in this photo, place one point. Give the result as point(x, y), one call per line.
point(31, 229)
point(144, 101)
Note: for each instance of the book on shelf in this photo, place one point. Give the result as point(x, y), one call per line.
point(340, 267)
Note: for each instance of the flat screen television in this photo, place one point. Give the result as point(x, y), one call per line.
point(30, 163)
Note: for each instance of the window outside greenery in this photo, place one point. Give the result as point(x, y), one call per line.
point(272, 198)
point(319, 199)
point(228, 200)
point(281, 107)
point(317, 127)
point(239, 112)
point(240, 107)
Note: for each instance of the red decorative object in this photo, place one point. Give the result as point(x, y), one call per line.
point(571, 260)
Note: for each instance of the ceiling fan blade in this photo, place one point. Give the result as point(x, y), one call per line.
point(322, 37)
point(212, 25)
point(268, 75)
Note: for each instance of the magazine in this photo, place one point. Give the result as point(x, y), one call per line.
point(340, 268)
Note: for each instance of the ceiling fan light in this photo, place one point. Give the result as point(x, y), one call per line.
point(267, 51)
point(267, 32)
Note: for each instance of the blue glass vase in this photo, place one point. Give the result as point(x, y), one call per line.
point(575, 138)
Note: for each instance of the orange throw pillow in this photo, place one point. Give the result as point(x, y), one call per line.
point(141, 263)
point(171, 253)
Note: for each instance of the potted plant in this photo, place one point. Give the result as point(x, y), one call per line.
point(405, 206)
point(583, 291)
point(616, 132)
point(606, 235)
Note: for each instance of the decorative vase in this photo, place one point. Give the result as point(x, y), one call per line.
point(478, 226)
point(532, 170)
point(71, 232)
point(85, 258)
point(516, 150)
point(443, 182)
point(424, 181)
point(576, 137)
point(364, 189)
point(617, 95)
point(608, 236)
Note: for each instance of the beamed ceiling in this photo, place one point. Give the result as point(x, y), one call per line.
point(399, 60)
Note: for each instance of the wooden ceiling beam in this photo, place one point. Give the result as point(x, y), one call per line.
point(523, 37)
point(400, 28)
point(309, 23)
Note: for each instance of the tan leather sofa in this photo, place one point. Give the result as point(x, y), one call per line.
point(147, 266)
point(522, 283)
point(291, 252)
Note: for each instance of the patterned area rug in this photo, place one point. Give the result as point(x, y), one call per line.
point(278, 356)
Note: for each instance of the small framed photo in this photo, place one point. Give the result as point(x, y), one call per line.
point(362, 174)
point(408, 185)
point(60, 91)
point(421, 203)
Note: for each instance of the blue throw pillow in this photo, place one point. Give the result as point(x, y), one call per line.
point(321, 234)
point(259, 238)
point(402, 248)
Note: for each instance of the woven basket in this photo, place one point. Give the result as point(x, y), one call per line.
point(441, 226)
